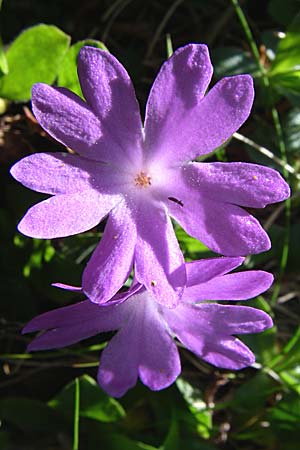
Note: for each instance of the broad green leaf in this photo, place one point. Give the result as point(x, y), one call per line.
point(3, 60)
point(288, 50)
point(263, 344)
point(172, 439)
point(289, 357)
point(283, 11)
point(192, 247)
point(232, 61)
point(287, 82)
point(67, 76)
point(291, 378)
point(34, 56)
point(29, 415)
point(197, 406)
point(5, 440)
point(119, 442)
point(285, 70)
point(94, 403)
point(252, 395)
point(291, 130)
point(284, 73)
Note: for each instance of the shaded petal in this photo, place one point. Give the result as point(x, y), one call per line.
point(68, 119)
point(182, 123)
point(67, 287)
point(228, 353)
point(222, 227)
point(204, 270)
point(71, 324)
point(206, 330)
point(174, 98)
point(235, 286)
point(159, 263)
point(111, 262)
point(109, 92)
point(238, 183)
point(118, 373)
point(65, 215)
point(149, 349)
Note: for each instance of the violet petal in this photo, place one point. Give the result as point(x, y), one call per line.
point(65, 215)
point(111, 262)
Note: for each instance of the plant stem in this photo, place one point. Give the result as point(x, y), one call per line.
point(76, 415)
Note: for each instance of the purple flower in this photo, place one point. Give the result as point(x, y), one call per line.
point(141, 177)
point(144, 346)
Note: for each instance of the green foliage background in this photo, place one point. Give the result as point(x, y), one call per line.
point(50, 400)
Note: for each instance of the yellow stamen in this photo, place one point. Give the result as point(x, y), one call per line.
point(143, 180)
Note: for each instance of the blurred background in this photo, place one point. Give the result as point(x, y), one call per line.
point(208, 408)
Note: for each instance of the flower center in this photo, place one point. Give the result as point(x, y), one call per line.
point(142, 180)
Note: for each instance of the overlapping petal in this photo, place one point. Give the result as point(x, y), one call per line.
point(234, 286)
point(109, 92)
point(180, 123)
point(238, 183)
point(203, 270)
point(111, 262)
point(65, 215)
point(150, 352)
point(71, 324)
point(159, 263)
point(223, 227)
point(146, 329)
point(207, 331)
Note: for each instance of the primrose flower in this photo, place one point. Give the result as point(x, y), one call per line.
point(143, 176)
point(146, 328)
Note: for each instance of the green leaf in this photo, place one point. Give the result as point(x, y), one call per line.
point(3, 60)
point(197, 407)
point(172, 439)
point(67, 76)
point(232, 61)
point(29, 415)
point(283, 11)
point(291, 130)
point(291, 379)
point(34, 56)
point(288, 50)
point(192, 247)
point(118, 442)
point(252, 396)
point(94, 403)
point(285, 70)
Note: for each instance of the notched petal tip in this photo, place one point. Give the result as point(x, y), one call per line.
point(36, 88)
point(88, 51)
point(198, 55)
point(238, 91)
